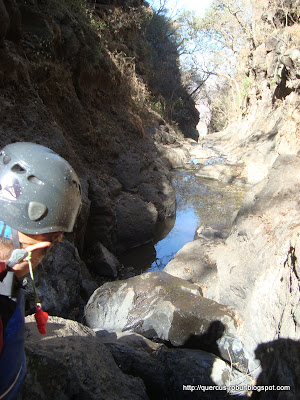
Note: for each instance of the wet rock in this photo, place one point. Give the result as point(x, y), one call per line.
point(102, 262)
point(135, 221)
point(162, 307)
point(166, 372)
point(221, 171)
point(71, 362)
point(212, 233)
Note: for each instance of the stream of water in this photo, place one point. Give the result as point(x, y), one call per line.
point(199, 202)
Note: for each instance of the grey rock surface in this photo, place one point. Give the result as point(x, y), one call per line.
point(165, 308)
point(71, 362)
point(223, 172)
point(196, 262)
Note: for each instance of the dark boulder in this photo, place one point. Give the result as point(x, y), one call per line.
point(70, 362)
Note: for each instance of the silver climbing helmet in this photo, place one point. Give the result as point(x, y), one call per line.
point(39, 190)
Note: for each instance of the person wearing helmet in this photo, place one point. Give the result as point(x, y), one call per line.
point(40, 199)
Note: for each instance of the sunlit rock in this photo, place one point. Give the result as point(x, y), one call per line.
point(196, 262)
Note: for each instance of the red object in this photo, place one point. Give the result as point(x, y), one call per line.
point(41, 318)
point(2, 266)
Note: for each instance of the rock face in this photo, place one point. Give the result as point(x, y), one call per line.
point(135, 221)
point(70, 362)
point(162, 307)
point(258, 268)
point(269, 125)
point(102, 262)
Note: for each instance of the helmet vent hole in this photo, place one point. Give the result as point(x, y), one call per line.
point(6, 160)
point(77, 186)
point(35, 180)
point(18, 169)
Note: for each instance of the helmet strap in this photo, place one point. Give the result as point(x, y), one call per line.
point(15, 239)
point(40, 316)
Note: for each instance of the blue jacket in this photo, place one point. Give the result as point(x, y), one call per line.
point(12, 358)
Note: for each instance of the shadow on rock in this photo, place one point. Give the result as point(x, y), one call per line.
point(280, 362)
point(208, 340)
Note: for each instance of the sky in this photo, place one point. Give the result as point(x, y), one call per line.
point(198, 6)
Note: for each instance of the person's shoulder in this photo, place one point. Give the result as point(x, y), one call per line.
point(5, 230)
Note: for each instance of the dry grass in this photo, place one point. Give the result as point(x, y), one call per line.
point(130, 83)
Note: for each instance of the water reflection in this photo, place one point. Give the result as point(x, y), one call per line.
point(183, 232)
point(199, 202)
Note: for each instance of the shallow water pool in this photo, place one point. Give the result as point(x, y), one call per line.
point(199, 202)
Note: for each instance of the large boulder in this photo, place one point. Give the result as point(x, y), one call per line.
point(147, 175)
point(70, 362)
point(135, 220)
point(165, 308)
point(102, 262)
point(223, 172)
